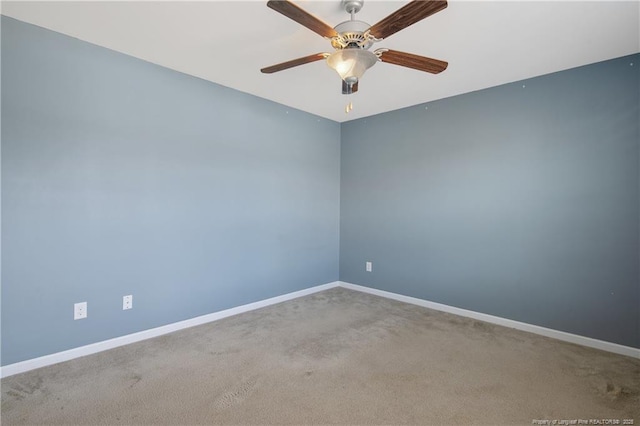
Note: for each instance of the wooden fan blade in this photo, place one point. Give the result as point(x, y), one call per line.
point(293, 63)
point(302, 17)
point(416, 62)
point(407, 15)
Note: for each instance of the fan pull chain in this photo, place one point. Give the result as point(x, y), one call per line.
point(348, 108)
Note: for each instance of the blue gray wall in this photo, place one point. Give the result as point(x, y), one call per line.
point(520, 201)
point(122, 177)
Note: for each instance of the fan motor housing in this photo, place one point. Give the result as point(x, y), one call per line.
point(352, 34)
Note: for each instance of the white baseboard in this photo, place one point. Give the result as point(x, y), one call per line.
point(548, 332)
point(31, 364)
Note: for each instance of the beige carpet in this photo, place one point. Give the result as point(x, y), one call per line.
point(336, 357)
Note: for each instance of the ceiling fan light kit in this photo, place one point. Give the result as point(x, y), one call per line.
point(352, 40)
point(351, 63)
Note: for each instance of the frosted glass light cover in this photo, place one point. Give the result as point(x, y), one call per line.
point(351, 64)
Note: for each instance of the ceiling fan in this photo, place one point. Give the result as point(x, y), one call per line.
point(352, 39)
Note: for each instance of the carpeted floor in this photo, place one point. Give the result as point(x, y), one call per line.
point(336, 357)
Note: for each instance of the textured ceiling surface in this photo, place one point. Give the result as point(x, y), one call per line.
point(487, 43)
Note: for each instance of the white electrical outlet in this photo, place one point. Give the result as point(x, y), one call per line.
point(369, 266)
point(127, 302)
point(79, 310)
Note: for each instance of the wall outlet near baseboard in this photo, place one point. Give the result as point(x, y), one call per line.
point(369, 266)
point(79, 310)
point(127, 302)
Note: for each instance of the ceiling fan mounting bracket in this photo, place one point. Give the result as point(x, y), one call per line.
point(352, 6)
point(379, 52)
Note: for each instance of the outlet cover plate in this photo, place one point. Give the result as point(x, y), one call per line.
point(127, 302)
point(79, 310)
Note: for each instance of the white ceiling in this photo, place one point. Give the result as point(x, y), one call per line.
point(486, 43)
